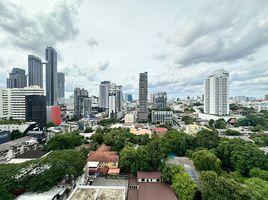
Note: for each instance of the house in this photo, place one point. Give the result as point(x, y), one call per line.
point(149, 186)
point(160, 131)
point(101, 160)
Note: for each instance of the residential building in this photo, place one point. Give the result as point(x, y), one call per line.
point(35, 71)
point(149, 185)
point(217, 93)
point(51, 76)
point(115, 101)
point(143, 97)
point(35, 109)
point(161, 117)
point(266, 97)
point(61, 87)
point(82, 103)
point(69, 103)
point(160, 100)
point(17, 78)
point(104, 95)
point(12, 101)
point(16, 147)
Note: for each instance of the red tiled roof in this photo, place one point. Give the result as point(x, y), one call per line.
point(149, 175)
point(160, 129)
point(104, 148)
point(114, 171)
point(155, 191)
point(103, 170)
point(103, 156)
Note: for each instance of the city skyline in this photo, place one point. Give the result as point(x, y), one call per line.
point(168, 50)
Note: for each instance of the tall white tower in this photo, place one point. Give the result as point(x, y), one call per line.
point(216, 98)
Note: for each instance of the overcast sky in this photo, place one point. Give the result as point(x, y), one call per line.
point(178, 42)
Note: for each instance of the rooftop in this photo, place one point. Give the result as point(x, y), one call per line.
point(149, 175)
point(33, 154)
point(6, 146)
point(100, 193)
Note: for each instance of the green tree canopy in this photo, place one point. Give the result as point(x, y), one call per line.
point(64, 141)
point(206, 160)
point(207, 138)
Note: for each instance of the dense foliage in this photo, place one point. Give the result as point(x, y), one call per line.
point(206, 160)
point(180, 181)
point(15, 134)
point(232, 132)
point(207, 139)
point(258, 120)
point(64, 141)
point(41, 174)
point(106, 122)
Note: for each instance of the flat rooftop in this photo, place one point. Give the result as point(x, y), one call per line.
point(101, 181)
point(100, 193)
point(33, 154)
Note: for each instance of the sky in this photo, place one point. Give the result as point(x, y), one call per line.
point(179, 43)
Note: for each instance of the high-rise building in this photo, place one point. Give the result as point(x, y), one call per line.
point(266, 97)
point(35, 109)
point(35, 71)
point(51, 76)
point(61, 87)
point(104, 94)
point(82, 103)
point(143, 97)
point(128, 97)
point(160, 100)
point(216, 98)
point(17, 78)
point(115, 101)
point(12, 101)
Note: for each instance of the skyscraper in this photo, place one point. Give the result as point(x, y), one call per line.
point(115, 101)
point(104, 94)
point(160, 100)
point(128, 97)
point(51, 76)
point(35, 71)
point(143, 97)
point(61, 87)
point(216, 98)
point(17, 78)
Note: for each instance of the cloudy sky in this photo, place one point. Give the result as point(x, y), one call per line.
point(178, 42)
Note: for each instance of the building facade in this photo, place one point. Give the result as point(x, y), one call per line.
point(17, 78)
point(104, 94)
point(161, 117)
point(128, 97)
point(12, 101)
point(35, 109)
point(82, 103)
point(115, 102)
point(216, 98)
point(35, 71)
point(61, 87)
point(160, 100)
point(51, 76)
point(143, 97)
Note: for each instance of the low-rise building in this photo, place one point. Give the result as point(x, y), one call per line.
point(131, 118)
point(16, 147)
point(161, 117)
point(160, 131)
point(149, 185)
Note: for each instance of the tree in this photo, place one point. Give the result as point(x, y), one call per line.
point(97, 137)
point(207, 138)
point(232, 132)
point(259, 173)
point(15, 134)
point(211, 123)
point(180, 181)
point(177, 142)
point(220, 124)
point(240, 155)
point(51, 124)
point(128, 160)
point(155, 152)
point(258, 188)
point(187, 119)
point(65, 141)
point(88, 130)
point(183, 186)
point(214, 187)
point(206, 160)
